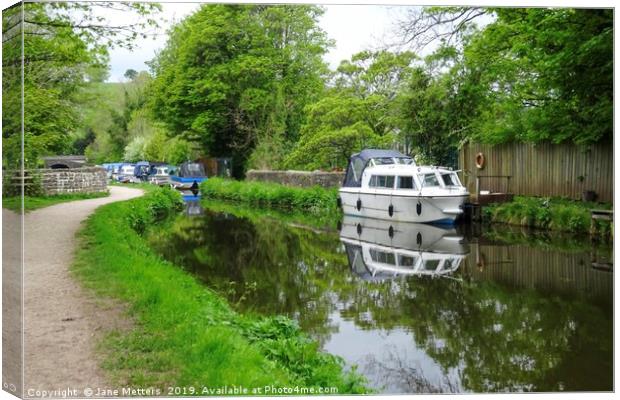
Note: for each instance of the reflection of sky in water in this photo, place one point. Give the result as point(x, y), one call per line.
point(390, 359)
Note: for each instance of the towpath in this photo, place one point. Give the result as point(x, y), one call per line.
point(62, 322)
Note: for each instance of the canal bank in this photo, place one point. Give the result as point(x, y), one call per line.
point(186, 334)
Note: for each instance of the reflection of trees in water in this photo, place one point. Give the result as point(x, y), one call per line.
point(289, 270)
point(496, 338)
point(398, 372)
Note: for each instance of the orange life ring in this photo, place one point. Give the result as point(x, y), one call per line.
point(480, 160)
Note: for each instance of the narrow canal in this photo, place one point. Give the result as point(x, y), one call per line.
point(417, 308)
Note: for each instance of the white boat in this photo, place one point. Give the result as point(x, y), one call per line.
point(386, 184)
point(378, 249)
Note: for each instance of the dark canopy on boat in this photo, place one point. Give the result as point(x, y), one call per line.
point(191, 170)
point(357, 163)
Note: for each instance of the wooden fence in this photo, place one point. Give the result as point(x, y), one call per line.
point(544, 169)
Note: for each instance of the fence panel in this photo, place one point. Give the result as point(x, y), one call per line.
point(544, 169)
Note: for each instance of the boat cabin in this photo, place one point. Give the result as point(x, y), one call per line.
point(404, 179)
point(389, 169)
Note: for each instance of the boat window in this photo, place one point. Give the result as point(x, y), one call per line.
point(406, 182)
point(450, 179)
point(382, 257)
point(357, 167)
point(406, 261)
point(382, 181)
point(404, 160)
point(383, 161)
point(192, 169)
point(431, 265)
point(429, 180)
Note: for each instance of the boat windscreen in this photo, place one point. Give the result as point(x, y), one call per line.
point(429, 180)
point(383, 161)
point(353, 177)
point(450, 179)
point(192, 170)
point(404, 160)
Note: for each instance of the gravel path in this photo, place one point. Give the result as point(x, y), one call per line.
point(62, 322)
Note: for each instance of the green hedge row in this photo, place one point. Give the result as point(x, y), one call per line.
point(546, 213)
point(316, 200)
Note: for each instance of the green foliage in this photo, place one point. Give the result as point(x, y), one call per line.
point(64, 44)
point(361, 111)
point(545, 213)
point(11, 185)
point(314, 200)
point(433, 119)
point(543, 75)
point(233, 75)
point(161, 202)
point(185, 334)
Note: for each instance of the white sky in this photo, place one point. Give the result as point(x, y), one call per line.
point(353, 27)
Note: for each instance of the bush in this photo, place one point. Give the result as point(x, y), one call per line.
point(34, 188)
point(544, 213)
point(157, 204)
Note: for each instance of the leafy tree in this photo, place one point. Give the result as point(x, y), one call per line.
point(530, 74)
point(360, 111)
point(232, 75)
point(547, 74)
point(131, 74)
point(432, 122)
point(65, 44)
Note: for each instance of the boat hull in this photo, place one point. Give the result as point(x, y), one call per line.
point(441, 209)
point(181, 183)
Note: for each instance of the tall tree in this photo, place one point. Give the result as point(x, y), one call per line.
point(361, 110)
point(64, 46)
point(547, 75)
point(233, 75)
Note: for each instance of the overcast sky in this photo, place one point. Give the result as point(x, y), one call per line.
point(353, 27)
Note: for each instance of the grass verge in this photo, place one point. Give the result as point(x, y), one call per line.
point(33, 203)
point(549, 213)
point(315, 200)
point(185, 334)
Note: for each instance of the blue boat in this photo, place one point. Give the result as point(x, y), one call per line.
point(141, 171)
point(188, 177)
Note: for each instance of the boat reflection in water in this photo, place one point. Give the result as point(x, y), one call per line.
point(379, 249)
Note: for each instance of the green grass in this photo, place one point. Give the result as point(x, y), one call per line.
point(33, 203)
point(315, 200)
point(547, 213)
point(186, 334)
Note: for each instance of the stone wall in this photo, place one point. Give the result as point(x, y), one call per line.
point(77, 180)
point(298, 178)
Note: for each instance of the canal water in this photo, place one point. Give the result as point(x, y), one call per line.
point(417, 308)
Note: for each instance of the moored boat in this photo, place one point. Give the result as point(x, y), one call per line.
point(386, 184)
point(160, 174)
point(188, 176)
